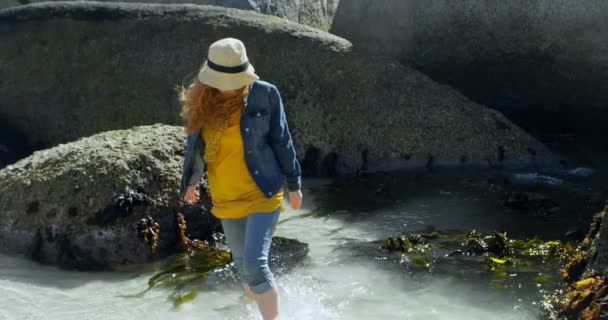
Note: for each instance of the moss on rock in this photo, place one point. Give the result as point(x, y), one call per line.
point(77, 205)
point(356, 112)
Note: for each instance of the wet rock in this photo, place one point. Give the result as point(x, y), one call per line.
point(587, 275)
point(498, 245)
point(585, 300)
point(586, 296)
point(400, 117)
point(597, 242)
point(534, 203)
point(474, 252)
point(476, 243)
point(95, 227)
point(407, 243)
point(285, 254)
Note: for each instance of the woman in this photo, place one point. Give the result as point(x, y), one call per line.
point(238, 133)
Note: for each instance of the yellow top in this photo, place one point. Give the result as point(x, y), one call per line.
point(233, 191)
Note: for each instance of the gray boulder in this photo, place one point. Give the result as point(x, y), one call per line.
point(315, 13)
point(77, 205)
point(9, 3)
point(544, 58)
point(72, 69)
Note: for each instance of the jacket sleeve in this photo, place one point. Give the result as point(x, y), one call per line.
point(198, 169)
point(193, 166)
point(282, 144)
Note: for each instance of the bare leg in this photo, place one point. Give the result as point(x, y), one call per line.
point(248, 293)
point(268, 303)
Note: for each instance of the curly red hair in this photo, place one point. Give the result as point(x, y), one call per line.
point(199, 104)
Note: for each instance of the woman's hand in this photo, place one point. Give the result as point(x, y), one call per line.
point(191, 195)
point(295, 199)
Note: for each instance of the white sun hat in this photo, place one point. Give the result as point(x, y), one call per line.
point(227, 66)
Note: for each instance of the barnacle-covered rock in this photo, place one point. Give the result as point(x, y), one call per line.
point(86, 204)
point(587, 293)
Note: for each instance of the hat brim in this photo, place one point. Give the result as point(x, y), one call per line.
point(227, 81)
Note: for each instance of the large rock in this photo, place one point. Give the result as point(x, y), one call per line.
point(77, 205)
point(544, 58)
point(315, 13)
point(71, 69)
point(597, 241)
point(9, 3)
point(587, 275)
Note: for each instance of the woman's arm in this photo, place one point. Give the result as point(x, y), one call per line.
point(193, 167)
point(282, 144)
point(198, 168)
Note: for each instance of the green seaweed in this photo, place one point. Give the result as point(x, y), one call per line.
point(182, 271)
point(540, 278)
point(407, 243)
point(495, 252)
point(179, 299)
point(420, 260)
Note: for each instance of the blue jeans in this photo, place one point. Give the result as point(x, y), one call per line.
point(249, 239)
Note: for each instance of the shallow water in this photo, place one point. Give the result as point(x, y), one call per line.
point(345, 276)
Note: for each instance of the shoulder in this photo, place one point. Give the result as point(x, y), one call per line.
point(263, 86)
point(266, 93)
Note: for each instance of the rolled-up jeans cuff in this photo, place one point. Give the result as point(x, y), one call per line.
point(263, 287)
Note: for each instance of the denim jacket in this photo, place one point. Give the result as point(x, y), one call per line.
point(269, 152)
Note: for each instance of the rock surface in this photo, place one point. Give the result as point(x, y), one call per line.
point(77, 205)
point(541, 56)
point(597, 239)
point(9, 3)
point(315, 13)
point(72, 69)
point(587, 275)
